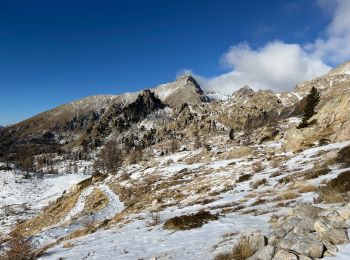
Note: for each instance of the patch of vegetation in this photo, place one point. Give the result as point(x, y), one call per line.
point(316, 172)
point(343, 156)
point(258, 183)
point(241, 251)
point(154, 219)
point(244, 177)
point(185, 222)
point(258, 167)
point(312, 100)
point(20, 248)
point(335, 191)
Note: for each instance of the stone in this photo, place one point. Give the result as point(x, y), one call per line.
point(302, 244)
point(332, 249)
point(334, 216)
point(290, 223)
point(265, 253)
point(276, 236)
point(307, 223)
point(256, 241)
point(304, 257)
point(283, 255)
point(307, 211)
point(344, 213)
point(336, 236)
point(338, 224)
point(320, 226)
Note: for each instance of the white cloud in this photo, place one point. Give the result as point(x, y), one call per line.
point(280, 66)
point(277, 66)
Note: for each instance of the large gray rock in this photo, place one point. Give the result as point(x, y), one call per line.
point(306, 211)
point(335, 236)
point(302, 244)
point(321, 226)
point(265, 253)
point(256, 241)
point(306, 223)
point(331, 249)
point(276, 236)
point(284, 255)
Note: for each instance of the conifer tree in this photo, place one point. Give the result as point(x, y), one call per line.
point(312, 99)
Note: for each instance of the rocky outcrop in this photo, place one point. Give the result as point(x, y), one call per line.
point(184, 90)
point(332, 120)
point(308, 232)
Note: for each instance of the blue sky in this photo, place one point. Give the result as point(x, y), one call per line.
point(52, 52)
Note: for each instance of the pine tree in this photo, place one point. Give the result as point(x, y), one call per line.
point(312, 99)
point(232, 134)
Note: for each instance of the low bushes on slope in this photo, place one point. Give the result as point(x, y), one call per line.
point(240, 251)
point(343, 156)
point(185, 222)
point(336, 190)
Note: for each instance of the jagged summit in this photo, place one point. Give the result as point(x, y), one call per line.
point(184, 90)
point(341, 69)
point(244, 91)
point(334, 77)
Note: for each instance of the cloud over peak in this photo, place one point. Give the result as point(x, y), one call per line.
point(279, 65)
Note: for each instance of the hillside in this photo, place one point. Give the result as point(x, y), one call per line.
point(172, 172)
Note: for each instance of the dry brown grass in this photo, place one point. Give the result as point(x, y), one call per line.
point(20, 248)
point(336, 190)
point(258, 183)
point(185, 222)
point(237, 153)
point(316, 172)
point(343, 156)
point(153, 219)
point(307, 188)
point(244, 177)
point(96, 201)
point(287, 195)
point(258, 167)
point(240, 251)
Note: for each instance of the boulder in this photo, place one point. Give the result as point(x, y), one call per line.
point(334, 236)
point(307, 211)
point(265, 253)
point(331, 249)
point(284, 255)
point(302, 244)
point(256, 241)
point(320, 226)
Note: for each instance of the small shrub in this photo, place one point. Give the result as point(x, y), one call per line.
point(258, 183)
point(244, 177)
point(317, 172)
point(20, 248)
point(241, 251)
point(154, 219)
point(275, 174)
point(343, 156)
point(307, 188)
point(335, 191)
point(258, 167)
point(186, 222)
point(288, 195)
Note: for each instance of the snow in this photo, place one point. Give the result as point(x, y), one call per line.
point(137, 241)
point(30, 194)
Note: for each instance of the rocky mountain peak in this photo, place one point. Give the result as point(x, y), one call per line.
point(245, 91)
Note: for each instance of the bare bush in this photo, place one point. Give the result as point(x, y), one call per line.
point(242, 250)
point(153, 219)
point(20, 248)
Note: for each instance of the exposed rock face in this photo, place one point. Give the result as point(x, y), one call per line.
point(332, 120)
point(249, 110)
point(309, 232)
point(183, 90)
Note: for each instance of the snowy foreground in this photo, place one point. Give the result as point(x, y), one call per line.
point(242, 207)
